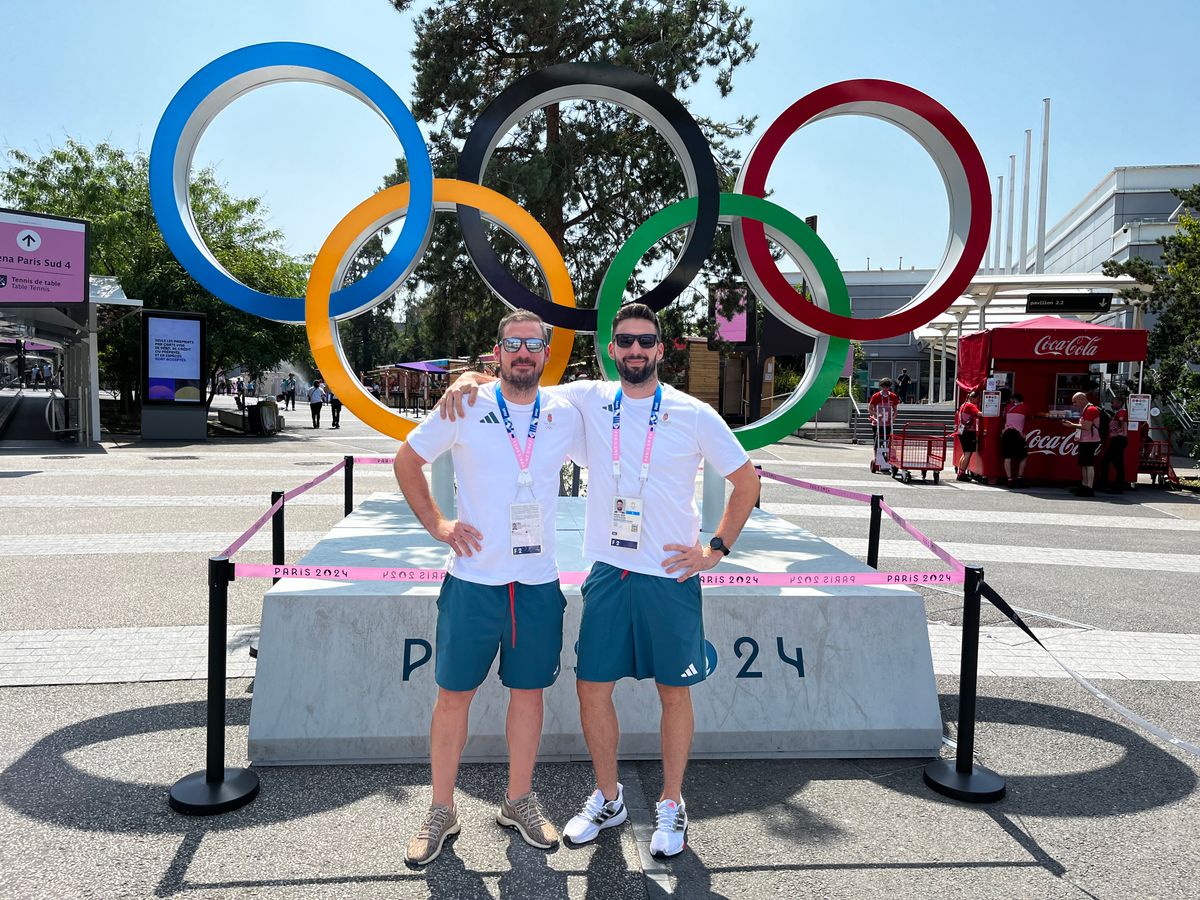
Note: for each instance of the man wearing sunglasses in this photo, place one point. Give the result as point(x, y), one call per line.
point(642, 615)
point(501, 590)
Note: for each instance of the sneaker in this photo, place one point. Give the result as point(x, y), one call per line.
point(670, 832)
point(595, 816)
point(426, 844)
point(527, 815)
point(963, 476)
point(1085, 492)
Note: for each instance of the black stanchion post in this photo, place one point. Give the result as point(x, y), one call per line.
point(277, 549)
point(758, 502)
point(962, 779)
point(873, 534)
point(349, 485)
point(216, 789)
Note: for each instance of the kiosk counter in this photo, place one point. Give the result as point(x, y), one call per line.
point(1046, 360)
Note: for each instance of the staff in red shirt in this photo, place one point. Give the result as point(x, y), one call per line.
point(968, 437)
point(883, 403)
point(1118, 441)
point(882, 409)
point(1089, 441)
point(1013, 446)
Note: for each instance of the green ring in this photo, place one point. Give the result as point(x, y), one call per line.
point(830, 352)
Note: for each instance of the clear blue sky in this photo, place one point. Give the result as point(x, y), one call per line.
point(105, 71)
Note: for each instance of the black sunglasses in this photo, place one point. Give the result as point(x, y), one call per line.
point(513, 344)
point(625, 341)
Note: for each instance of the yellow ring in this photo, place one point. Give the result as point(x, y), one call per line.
point(447, 193)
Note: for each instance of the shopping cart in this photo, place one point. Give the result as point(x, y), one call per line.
point(910, 452)
point(1154, 457)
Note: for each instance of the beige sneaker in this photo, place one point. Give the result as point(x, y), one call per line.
point(426, 844)
point(529, 818)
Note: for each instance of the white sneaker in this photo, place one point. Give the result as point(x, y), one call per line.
point(670, 830)
point(595, 816)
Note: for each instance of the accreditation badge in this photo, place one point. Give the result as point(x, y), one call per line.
point(525, 529)
point(626, 523)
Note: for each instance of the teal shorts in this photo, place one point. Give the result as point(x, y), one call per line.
point(522, 621)
point(641, 626)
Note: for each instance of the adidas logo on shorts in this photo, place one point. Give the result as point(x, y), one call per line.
point(490, 419)
point(690, 672)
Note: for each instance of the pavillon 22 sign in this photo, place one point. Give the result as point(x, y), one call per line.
point(752, 218)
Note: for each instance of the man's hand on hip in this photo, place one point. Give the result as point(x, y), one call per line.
point(690, 560)
point(462, 538)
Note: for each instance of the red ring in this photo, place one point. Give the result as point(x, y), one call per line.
point(792, 120)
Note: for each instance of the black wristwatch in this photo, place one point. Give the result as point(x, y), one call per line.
point(717, 544)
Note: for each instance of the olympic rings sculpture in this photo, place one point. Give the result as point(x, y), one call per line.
point(752, 219)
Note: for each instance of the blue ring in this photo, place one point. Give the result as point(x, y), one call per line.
point(310, 62)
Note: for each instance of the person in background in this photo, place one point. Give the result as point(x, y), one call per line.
point(1013, 446)
point(1089, 441)
point(1118, 442)
point(904, 382)
point(316, 399)
point(335, 407)
point(968, 437)
point(882, 410)
point(883, 402)
point(289, 391)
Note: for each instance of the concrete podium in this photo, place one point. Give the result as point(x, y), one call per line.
point(345, 670)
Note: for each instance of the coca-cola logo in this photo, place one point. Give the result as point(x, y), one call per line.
point(1050, 444)
point(1077, 346)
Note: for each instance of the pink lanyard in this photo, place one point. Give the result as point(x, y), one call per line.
point(523, 459)
point(616, 441)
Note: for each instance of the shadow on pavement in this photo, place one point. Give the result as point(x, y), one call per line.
point(1134, 775)
point(1144, 776)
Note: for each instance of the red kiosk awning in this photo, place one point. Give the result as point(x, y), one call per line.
point(1046, 339)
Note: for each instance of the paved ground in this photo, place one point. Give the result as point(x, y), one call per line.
point(103, 554)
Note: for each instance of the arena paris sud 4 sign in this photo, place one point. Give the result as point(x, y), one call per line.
point(752, 218)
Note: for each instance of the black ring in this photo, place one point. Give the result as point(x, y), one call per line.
point(613, 84)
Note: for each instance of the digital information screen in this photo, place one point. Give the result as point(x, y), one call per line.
point(174, 359)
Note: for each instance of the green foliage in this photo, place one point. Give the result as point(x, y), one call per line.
point(589, 172)
point(786, 379)
point(1175, 297)
point(370, 339)
point(110, 188)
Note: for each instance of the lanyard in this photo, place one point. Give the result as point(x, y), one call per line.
point(616, 440)
point(523, 459)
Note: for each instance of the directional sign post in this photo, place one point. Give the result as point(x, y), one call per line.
point(1093, 302)
point(43, 259)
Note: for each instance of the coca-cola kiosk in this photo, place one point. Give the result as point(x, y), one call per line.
point(1046, 360)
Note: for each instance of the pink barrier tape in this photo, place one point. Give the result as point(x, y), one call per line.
point(819, 488)
point(912, 530)
point(266, 517)
point(374, 460)
point(921, 538)
point(297, 491)
point(745, 579)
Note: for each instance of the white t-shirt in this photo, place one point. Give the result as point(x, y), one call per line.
point(486, 470)
point(316, 394)
point(688, 432)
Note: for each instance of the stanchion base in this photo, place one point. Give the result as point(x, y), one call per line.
point(193, 795)
point(254, 648)
point(980, 785)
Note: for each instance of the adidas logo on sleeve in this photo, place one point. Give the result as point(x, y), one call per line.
point(490, 419)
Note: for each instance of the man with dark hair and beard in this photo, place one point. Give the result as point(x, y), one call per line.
point(642, 614)
point(502, 571)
